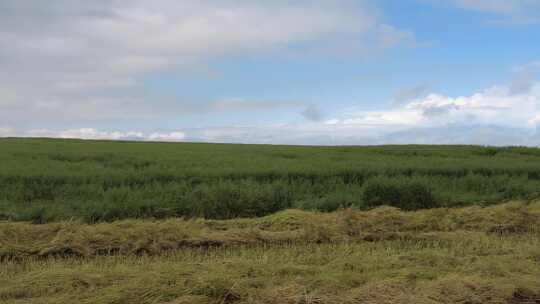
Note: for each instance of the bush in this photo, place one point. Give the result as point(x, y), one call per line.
point(229, 200)
point(402, 193)
point(332, 202)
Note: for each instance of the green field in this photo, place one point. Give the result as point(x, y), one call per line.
point(170, 223)
point(44, 180)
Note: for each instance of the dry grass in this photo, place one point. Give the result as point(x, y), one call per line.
point(470, 255)
point(492, 269)
point(153, 237)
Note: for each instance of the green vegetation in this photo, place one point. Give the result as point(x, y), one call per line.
point(470, 255)
point(131, 222)
point(44, 180)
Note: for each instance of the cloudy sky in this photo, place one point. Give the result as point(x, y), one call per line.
point(282, 72)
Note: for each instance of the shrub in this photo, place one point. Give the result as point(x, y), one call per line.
point(402, 193)
point(228, 200)
point(331, 202)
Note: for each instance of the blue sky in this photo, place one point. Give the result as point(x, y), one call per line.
point(280, 72)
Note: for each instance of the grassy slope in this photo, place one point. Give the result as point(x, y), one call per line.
point(468, 255)
point(47, 180)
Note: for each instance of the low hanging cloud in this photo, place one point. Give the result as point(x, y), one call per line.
point(94, 134)
point(494, 116)
point(497, 105)
point(171, 136)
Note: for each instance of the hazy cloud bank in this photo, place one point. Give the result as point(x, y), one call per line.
point(495, 116)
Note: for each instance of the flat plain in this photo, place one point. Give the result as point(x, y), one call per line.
point(133, 222)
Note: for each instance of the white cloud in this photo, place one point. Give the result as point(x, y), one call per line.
point(523, 82)
point(172, 136)
point(535, 121)
point(80, 62)
point(6, 131)
point(497, 105)
point(509, 11)
point(493, 116)
point(71, 60)
point(239, 104)
point(390, 36)
point(404, 95)
point(85, 133)
point(498, 6)
point(91, 133)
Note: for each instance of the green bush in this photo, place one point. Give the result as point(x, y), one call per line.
point(228, 200)
point(331, 202)
point(402, 193)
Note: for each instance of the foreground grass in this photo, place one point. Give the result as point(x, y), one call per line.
point(468, 255)
point(489, 269)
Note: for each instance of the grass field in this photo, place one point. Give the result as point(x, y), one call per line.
point(132, 222)
point(45, 180)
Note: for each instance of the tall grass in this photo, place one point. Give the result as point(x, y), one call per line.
point(45, 180)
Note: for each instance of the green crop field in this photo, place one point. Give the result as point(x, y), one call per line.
point(135, 222)
point(45, 180)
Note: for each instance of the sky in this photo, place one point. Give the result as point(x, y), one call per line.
point(315, 72)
